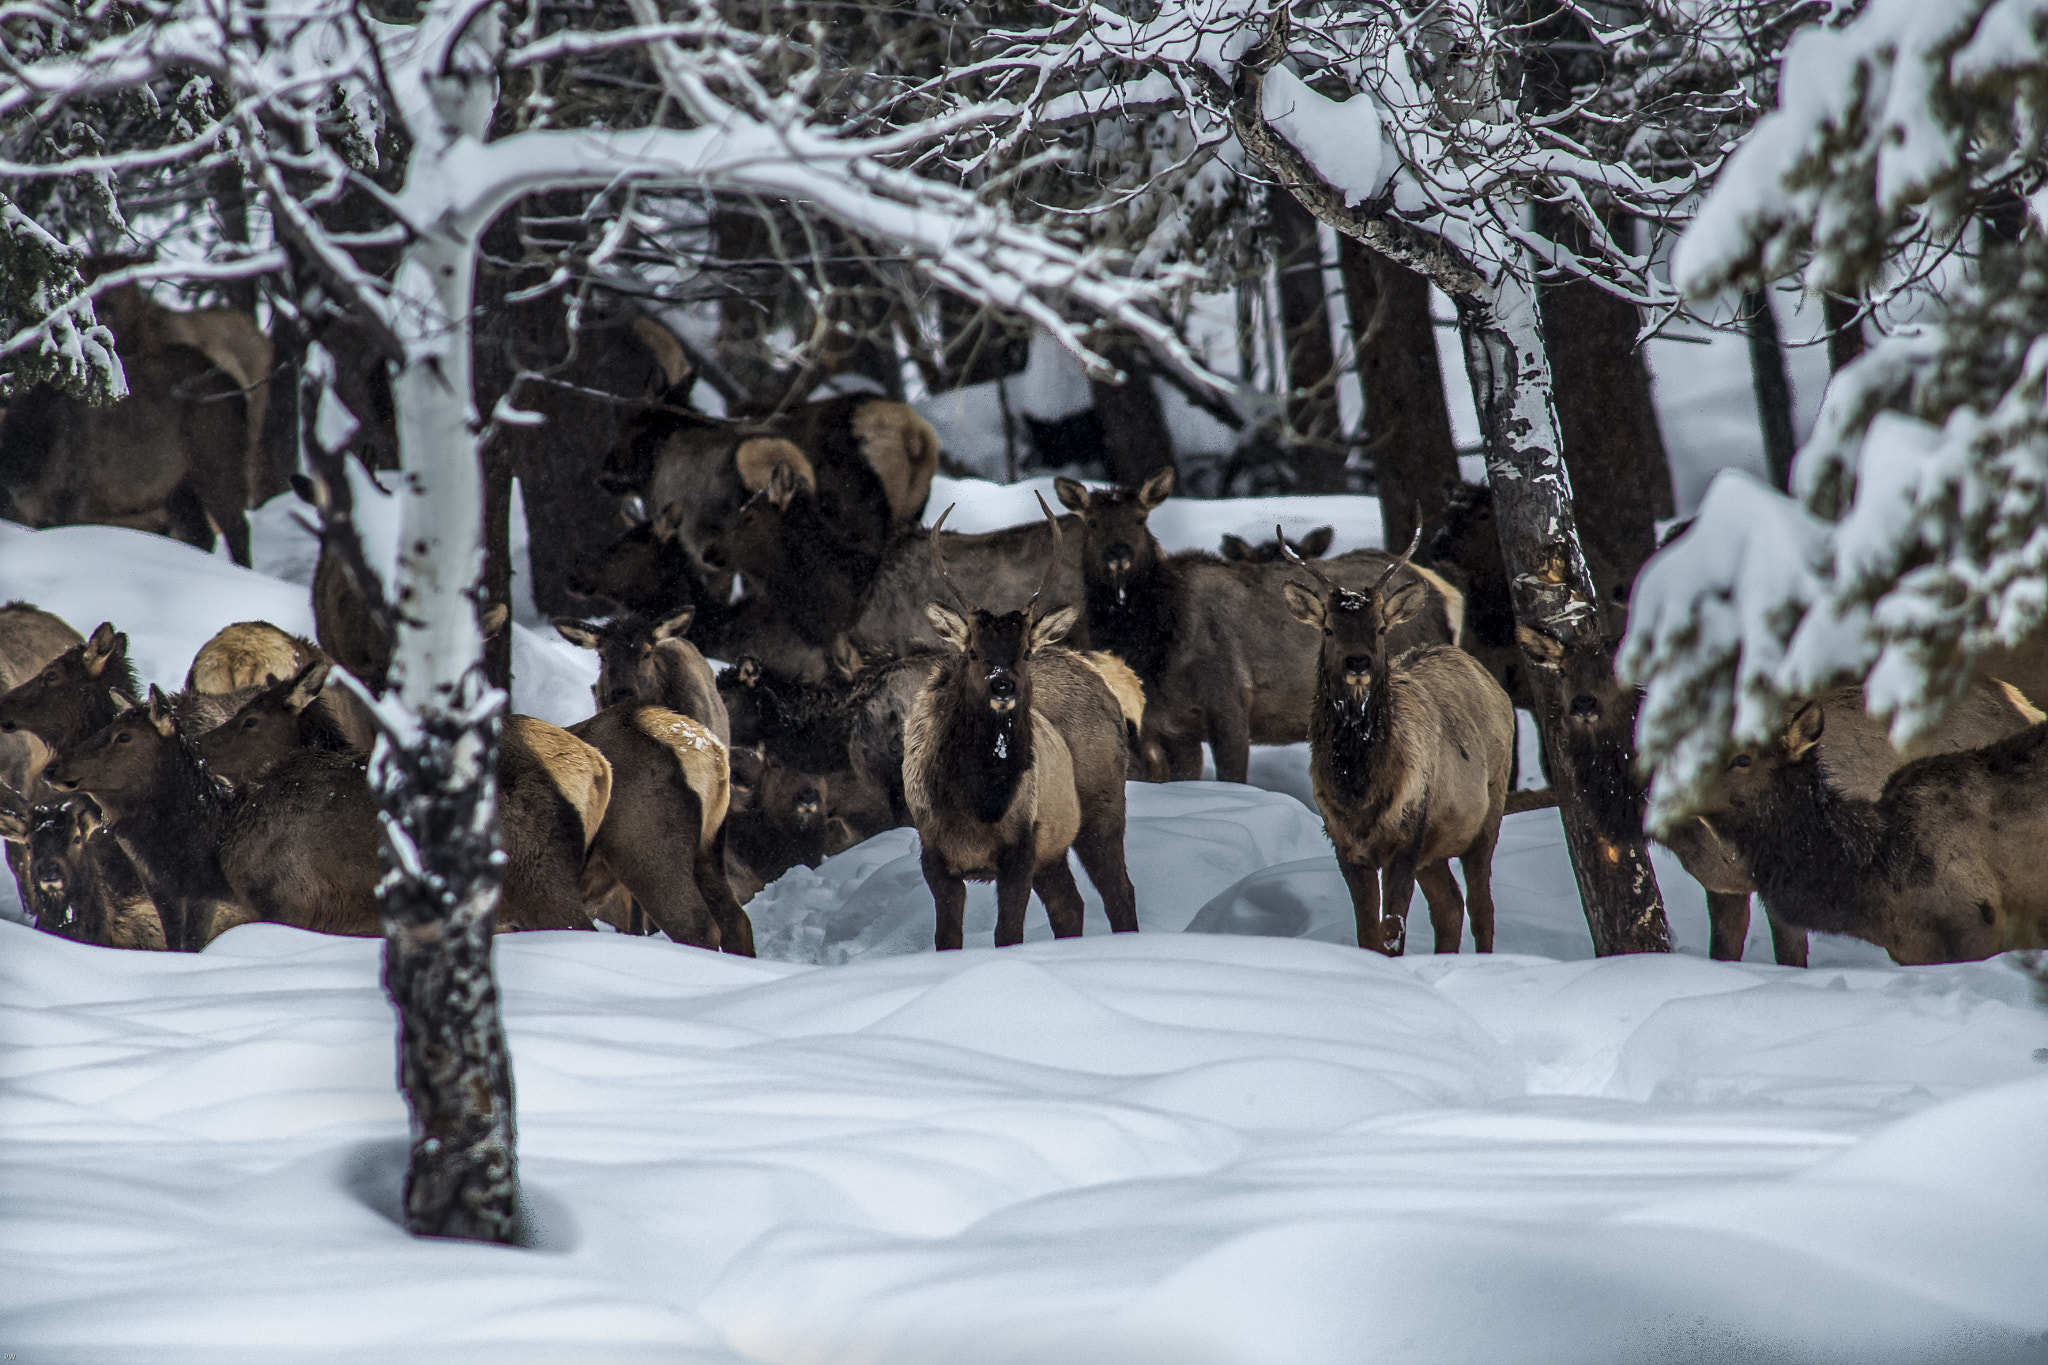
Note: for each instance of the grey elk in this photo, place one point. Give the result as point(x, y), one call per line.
point(1210, 640)
point(1409, 759)
point(1014, 753)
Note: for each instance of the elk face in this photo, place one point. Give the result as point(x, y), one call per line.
point(757, 542)
point(645, 556)
point(628, 666)
point(1117, 544)
point(1749, 776)
point(1593, 697)
point(997, 647)
point(259, 738)
point(56, 701)
point(1354, 627)
point(121, 760)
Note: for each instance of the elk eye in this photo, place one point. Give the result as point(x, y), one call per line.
point(51, 676)
point(123, 737)
point(249, 724)
point(1739, 761)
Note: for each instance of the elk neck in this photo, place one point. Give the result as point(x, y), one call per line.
point(1801, 837)
point(1355, 734)
point(984, 754)
point(1133, 618)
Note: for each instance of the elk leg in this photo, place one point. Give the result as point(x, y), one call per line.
point(1478, 864)
point(1102, 858)
point(1063, 904)
point(1230, 740)
point(1728, 912)
point(1364, 882)
point(1446, 905)
point(1788, 944)
point(1183, 758)
point(1013, 893)
point(949, 899)
point(735, 930)
point(636, 840)
point(1397, 888)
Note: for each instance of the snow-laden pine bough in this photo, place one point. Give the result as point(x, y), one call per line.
point(1014, 754)
point(1212, 641)
point(1408, 753)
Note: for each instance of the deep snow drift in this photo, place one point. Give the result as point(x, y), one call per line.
point(1229, 1139)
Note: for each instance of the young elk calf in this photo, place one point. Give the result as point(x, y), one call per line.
point(1409, 757)
point(1948, 864)
point(651, 661)
point(1013, 754)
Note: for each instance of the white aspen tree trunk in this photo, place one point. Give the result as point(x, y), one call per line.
point(1599, 799)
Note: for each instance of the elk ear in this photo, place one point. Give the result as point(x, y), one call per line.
point(1403, 603)
point(582, 634)
point(1236, 547)
point(1053, 627)
point(667, 351)
point(100, 647)
point(1307, 607)
point(676, 627)
point(305, 689)
point(844, 658)
point(1543, 651)
point(782, 487)
point(1156, 489)
point(160, 711)
point(748, 671)
point(1072, 494)
point(1804, 732)
point(492, 619)
point(669, 522)
point(950, 624)
point(14, 815)
point(1316, 543)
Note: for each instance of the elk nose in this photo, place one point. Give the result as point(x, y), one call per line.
point(1117, 558)
point(809, 802)
point(1001, 685)
point(617, 695)
point(713, 556)
point(1357, 663)
point(1585, 706)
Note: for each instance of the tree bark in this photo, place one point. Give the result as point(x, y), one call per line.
point(1317, 429)
point(1135, 439)
point(1773, 385)
point(1845, 330)
point(437, 784)
point(1553, 593)
point(1606, 420)
point(1414, 454)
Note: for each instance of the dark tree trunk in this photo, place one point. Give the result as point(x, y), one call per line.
point(280, 437)
point(497, 582)
point(1606, 420)
point(1412, 449)
point(1773, 385)
point(453, 1064)
point(1845, 330)
point(1318, 453)
point(1135, 439)
point(1533, 510)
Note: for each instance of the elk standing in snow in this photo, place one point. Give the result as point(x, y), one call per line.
point(1013, 754)
point(1409, 757)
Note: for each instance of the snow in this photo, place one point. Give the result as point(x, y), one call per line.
point(1230, 1139)
point(1341, 139)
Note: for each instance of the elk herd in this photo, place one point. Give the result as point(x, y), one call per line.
point(994, 691)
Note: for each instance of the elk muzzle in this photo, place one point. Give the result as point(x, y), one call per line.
point(1357, 673)
point(1002, 691)
point(1116, 562)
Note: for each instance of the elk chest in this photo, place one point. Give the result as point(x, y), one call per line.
point(1044, 810)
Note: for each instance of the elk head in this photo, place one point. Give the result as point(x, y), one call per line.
point(259, 738)
point(1117, 547)
point(120, 766)
point(1355, 624)
point(1313, 545)
point(647, 559)
point(1752, 773)
point(757, 543)
point(995, 674)
point(627, 664)
point(58, 704)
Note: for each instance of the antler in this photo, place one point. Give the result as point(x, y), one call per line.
point(1382, 582)
point(1052, 565)
point(939, 563)
point(1297, 560)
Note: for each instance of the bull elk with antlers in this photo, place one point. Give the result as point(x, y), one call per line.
point(1409, 757)
point(1013, 754)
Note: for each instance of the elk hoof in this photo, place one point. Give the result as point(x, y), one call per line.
point(1393, 936)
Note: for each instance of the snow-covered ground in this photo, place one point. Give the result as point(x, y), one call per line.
point(1232, 1138)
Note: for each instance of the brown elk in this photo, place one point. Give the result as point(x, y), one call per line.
point(671, 782)
point(29, 638)
point(349, 630)
point(253, 654)
point(165, 809)
point(1409, 759)
point(1219, 658)
point(172, 456)
point(1314, 545)
point(1949, 863)
point(1013, 755)
point(76, 879)
point(651, 661)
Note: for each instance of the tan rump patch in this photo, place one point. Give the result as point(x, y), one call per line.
point(1123, 684)
point(247, 654)
point(706, 767)
point(903, 450)
point(580, 773)
point(757, 457)
point(2029, 712)
point(666, 350)
point(1454, 600)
